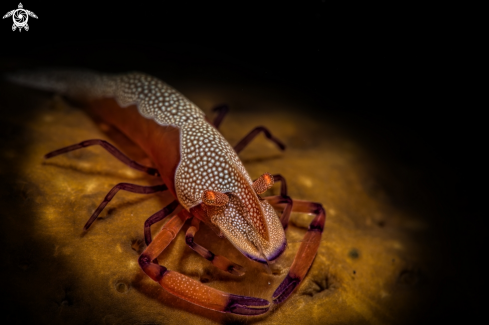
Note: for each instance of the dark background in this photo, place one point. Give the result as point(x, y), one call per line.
point(395, 75)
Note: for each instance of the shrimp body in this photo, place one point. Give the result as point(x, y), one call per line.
point(203, 172)
point(206, 160)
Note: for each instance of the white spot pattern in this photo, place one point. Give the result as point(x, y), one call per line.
point(207, 161)
point(155, 99)
point(236, 227)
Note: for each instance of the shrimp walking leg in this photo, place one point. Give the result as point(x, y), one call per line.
point(189, 289)
point(220, 262)
point(283, 198)
point(308, 249)
point(222, 111)
point(111, 149)
point(250, 136)
point(158, 216)
point(125, 187)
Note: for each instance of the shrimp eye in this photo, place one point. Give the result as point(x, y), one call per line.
point(263, 183)
point(214, 198)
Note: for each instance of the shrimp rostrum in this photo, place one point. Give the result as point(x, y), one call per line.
point(204, 174)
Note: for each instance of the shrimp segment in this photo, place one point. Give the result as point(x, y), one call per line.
point(189, 289)
point(308, 249)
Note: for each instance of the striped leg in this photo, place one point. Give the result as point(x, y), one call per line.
point(111, 149)
point(308, 249)
point(189, 289)
point(219, 261)
point(126, 187)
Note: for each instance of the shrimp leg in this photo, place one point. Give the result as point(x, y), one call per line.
point(220, 262)
point(111, 149)
point(284, 198)
point(189, 289)
point(158, 216)
point(125, 187)
point(253, 133)
point(308, 249)
point(222, 110)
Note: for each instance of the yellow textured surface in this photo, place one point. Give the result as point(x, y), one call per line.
point(371, 266)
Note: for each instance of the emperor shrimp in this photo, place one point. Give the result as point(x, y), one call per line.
point(203, 173)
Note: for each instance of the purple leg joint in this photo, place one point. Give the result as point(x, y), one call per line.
point(245, 305)
point(285, 289)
